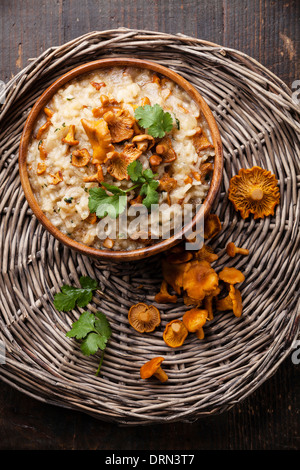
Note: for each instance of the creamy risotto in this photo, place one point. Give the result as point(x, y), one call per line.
point(128, 128)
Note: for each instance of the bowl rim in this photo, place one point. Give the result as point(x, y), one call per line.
point(139, 253)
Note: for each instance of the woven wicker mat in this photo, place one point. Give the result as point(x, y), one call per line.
point(259, 125)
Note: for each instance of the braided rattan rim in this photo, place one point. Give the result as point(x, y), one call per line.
point(259, 125)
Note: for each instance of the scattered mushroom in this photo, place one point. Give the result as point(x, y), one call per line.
point(208, 302)
point(143, 142)
point(163, 296)
point(43, 129)
point(233, 250)
point(107, 104)
point(43, 153)
point(201, 141)
point(175, 333)
point(231, 275)
point(99, 137)
point(212, 226)
point(199, 280)
point(49, 113)
point(206, 253)
point(144, 318)
point(69, 139)
point(120, 125)
point(98, 177)
point(80, 158)
point(233, 302)
point(57, 178)
point(254, 191)
point(165, 150)
point(194, 320)
point(173, 274)
point(153, 368)
point(41, 168)
point(118, 162)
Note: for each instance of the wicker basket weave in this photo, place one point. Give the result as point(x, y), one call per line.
point(259, 125)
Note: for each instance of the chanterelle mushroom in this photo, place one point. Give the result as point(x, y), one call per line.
point(233, 302)
point(120, 125)
point(143, 142)
point(80, 158)
point(69, 139)
point(233, 250)
point(194, 320)
point(231, 275)
point(165, 150)
point(212, 226)
point(163, 296)
point(206, 253)
point(173, 274)
point(175, 333)
point(153, 367)
point(144, 318)
point(254, 191)
point(100, 139)
point(199, 280)
point(119, 161)
point(201, 141)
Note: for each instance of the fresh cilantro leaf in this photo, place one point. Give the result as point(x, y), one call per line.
point(103, 204)
point(94, 332)
point(71, 296)
point(149, 190)
point(135, 170)
point(147, 180)
point(154, 119)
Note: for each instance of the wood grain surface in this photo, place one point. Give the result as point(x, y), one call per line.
point(268, 31)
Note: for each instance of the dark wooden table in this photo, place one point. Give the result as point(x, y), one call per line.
point(266, 30)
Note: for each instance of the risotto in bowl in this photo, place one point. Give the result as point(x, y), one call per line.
point(120, 159)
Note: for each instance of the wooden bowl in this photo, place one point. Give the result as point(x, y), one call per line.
point(161, 245)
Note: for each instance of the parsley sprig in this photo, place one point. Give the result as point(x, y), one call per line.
point(154, 119)
point(70, 296)
point(114, 204)
point(93, 330)
point(146, 178)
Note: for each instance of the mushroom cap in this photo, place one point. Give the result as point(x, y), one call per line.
point(233, 301)
point(231, 275)
point(212, 226)
point(206, 253)
point(144, 318)
point(118, 162)
point(70, 137)
point(163, 296)
point(150, 367)
point(175, 333)
point(173, 274)
point(80, 158)
point(100, 138)
point(120, 125)
point(199, 279)
point(195, 319)
point(231, 249)
point(165, 150)
point(236, 297)
point(254, 191)
point(201, 141)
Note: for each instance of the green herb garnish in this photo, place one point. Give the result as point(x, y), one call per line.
point(70, 296)
point(94, 331)
point(146, 178)
point(154, 119)
point(68, 200)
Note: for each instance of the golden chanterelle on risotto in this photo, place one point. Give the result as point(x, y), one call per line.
point(114, 141)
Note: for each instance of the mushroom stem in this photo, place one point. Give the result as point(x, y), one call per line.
point(233, 250)
point(200, 333)
point(161, 375)
point(257, 194)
